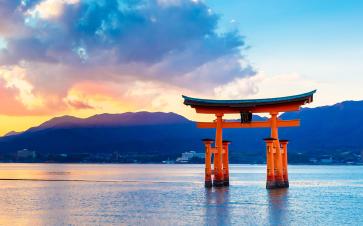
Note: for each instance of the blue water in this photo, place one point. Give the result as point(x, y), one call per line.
point(75, 194)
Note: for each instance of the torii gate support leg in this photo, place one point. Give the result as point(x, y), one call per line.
point(270, 174)
point(208, 164)
point(284, 162)
point(225, 163)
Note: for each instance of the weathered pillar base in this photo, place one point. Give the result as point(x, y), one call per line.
point(226, 182)
point(208, 184)
point(280, 184)
point(277, 184)
point(218, 183)
point(286, 182)
point(270, 184)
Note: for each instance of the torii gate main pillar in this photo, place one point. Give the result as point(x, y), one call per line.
point(218, 156)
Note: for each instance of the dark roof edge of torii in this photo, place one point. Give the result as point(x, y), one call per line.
point(196, 102)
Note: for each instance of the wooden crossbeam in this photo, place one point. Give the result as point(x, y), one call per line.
point(257, 109)
point(255, 124)
point(215, 150)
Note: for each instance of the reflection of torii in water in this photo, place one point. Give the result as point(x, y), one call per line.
point(276, 150)
point(217, 206)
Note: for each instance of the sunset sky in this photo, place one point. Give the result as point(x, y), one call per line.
point(85, 57)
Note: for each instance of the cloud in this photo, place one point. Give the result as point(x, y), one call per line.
point(238, 88)
point(3, 43)
point(50, 9)
point(14, 78)
point(134, 31)
point(78, 104)
point(62, 43)
point(143, 32)
point(264, 86)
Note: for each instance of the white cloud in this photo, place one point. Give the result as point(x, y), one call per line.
point(264, 86)
point(50, 9)
point(174, 2)
point(238, 88)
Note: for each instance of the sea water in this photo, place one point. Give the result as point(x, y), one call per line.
point(137, 194)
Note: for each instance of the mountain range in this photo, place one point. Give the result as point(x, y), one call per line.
point(324, 131)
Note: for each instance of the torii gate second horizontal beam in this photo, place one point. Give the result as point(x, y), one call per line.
point(255, 124)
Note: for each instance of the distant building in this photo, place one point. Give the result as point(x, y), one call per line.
point(26, 154)
point(168, 161)
point(186, 156)
point(115, 156)
point(327, 160)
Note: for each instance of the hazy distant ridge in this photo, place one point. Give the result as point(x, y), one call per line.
point(327, 129)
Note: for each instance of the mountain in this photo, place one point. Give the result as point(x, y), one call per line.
point(328, 130)
point(113, 120)
point(140, 133)
point(11, 133)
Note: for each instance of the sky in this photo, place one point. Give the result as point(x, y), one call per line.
point(86, 57)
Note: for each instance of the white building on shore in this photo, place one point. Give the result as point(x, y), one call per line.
point(186, 156)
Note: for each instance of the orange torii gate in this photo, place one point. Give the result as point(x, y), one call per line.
point(276, 150)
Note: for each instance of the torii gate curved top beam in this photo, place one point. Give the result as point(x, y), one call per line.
point(279, 104)
point(276, 149)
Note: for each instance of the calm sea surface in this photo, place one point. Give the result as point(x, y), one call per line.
point(76, 194)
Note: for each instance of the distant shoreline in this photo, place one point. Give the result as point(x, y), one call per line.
point(149, 163)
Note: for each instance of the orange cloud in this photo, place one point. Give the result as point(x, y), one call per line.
point(77, 104)
point(89, 97)
point(11, 105)
point(18, 96)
